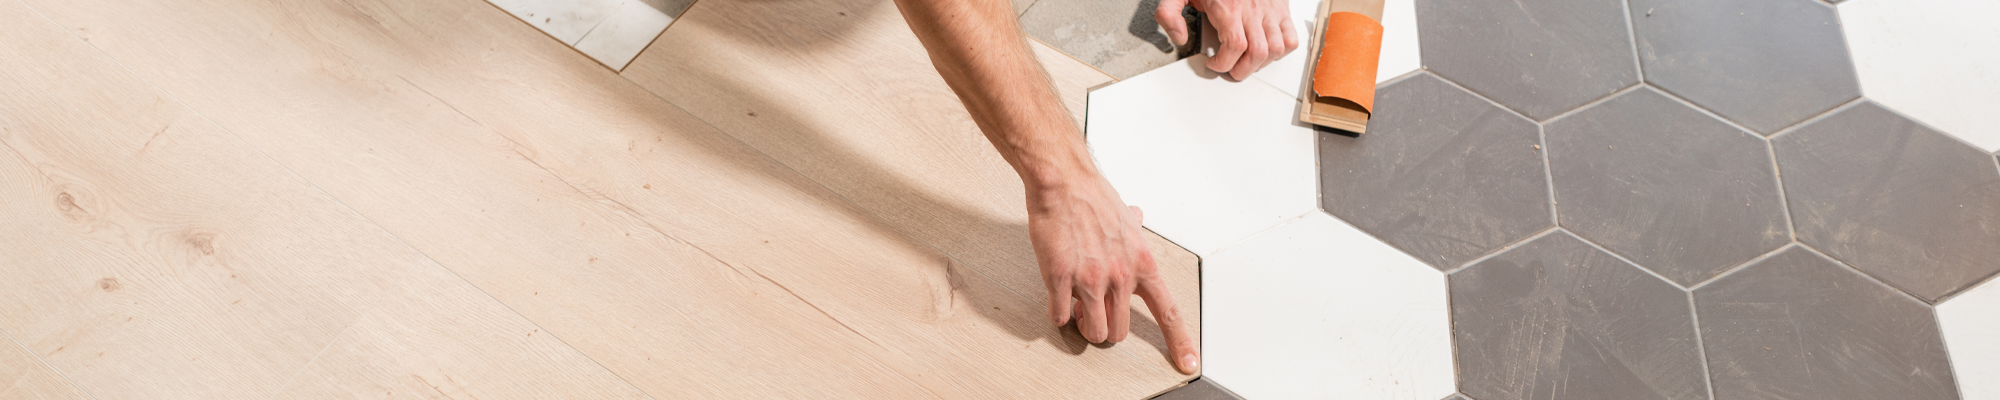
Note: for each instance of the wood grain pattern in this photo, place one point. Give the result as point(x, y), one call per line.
point(434, 335)
point(178, 262)
point(678, 258)
point(26, 378)
point(843, 93)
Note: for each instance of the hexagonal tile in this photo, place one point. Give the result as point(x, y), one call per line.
point(1441, 173)
point(1119, 37)
point(1317, 309)
point(1537, 57)
point(1559, 319)
point(1801, 326)
point(1671, 188)
point(1765, 64)
point(1972, 333)
point(1900, 201)
point(1399, 46)
point(1210, 161)
point(1912, 55)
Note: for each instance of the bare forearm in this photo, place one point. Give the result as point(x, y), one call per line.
point(979, 50)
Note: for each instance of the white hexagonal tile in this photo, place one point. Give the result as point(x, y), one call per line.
point(1933, 60)
point(1971, 324)
point(1317, 309)
point(1399, 46)
point(1210, 161)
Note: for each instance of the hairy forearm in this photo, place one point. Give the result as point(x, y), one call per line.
point(979, 50)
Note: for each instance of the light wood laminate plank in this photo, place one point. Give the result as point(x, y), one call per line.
point(161, 218)
point(842, 92)
point(680, 259)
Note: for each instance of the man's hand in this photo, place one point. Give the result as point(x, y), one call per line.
point(1094, 258)
point(1252, 33)
point(1087, 241)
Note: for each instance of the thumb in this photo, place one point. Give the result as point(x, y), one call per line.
point(1169, 17)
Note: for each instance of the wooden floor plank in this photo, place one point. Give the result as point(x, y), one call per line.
point(151, 256)
point(436, 335)
point(687, 263)
point(160, 257)
point(24, 377)
point(843, 92)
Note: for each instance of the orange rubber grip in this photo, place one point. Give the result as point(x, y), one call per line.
point(1348, 56)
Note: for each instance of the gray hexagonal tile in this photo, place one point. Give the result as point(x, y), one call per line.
point(1898, 200)
point(1117, 36)
point(1559, 319)
point(1441, 174)
point(1537, 57)
point(1800, 326)
point(1675, 190)
point(1200, 389)
point(1766, 64)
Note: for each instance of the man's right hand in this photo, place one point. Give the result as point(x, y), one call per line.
point(1093, 258)
point(1252, 33)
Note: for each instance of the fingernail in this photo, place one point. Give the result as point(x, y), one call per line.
point(1189, 363)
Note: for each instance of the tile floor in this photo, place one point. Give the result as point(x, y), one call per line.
point(1627, 199)
point(1569, 199)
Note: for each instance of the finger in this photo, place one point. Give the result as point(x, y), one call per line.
point(1119, 306)
point(1059, 302)
point(1253, 53)
point(1292, 38)
point(1180, 342)
point(1228, 32)
point(1092, 323)
point(1169, 17)
point(1275, 39)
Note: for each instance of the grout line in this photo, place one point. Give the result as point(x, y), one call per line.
point(1823, 115)
point(1649, 271)
point(1632, 37)
point(1595, 102)
point(1503, 249)
point(1700, 346)
point(1778, 179)
point(1548, 174)
point(1474, 93)
point(1712, 114)
point(1868, 277)
point(1744, 265)
point(362, 312)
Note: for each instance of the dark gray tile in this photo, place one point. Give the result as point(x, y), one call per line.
point(1559, 319)
point(1538, 57)
point(1117, 36)
point(1766, 64)
point(1441, 173)
point(1667, 186)
point(1902, 202)
point(1200, 389)
point(1799, 326)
